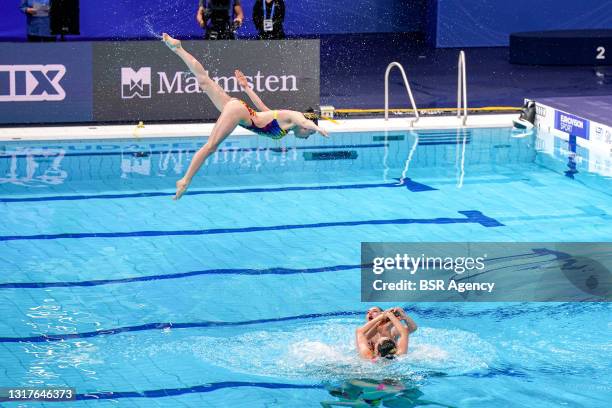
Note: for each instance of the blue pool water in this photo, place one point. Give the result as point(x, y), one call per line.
point(246, 292)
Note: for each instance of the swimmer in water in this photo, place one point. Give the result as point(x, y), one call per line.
point(384, 335)
point(234, 112)
point(387, 330)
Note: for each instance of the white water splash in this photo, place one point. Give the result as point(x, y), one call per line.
point(149, 26)
point(326, 351)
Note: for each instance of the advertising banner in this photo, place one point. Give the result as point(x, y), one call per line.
point(146, 81)
point(45, 83)
point(571, 124)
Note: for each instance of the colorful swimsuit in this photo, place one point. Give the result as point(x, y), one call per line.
point(271, 130)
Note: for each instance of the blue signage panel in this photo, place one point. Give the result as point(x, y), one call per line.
point(571, 124)
point(45, 83)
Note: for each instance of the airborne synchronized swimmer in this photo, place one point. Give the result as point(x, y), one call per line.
point(234, 112)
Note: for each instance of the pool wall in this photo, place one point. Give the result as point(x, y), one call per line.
point(154, 160)
point(589, 142)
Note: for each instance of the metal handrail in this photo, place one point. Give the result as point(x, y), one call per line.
point(389, 68)
point(461, 88)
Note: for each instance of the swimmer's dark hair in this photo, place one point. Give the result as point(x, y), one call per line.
point(387, 349)
point(311, 114)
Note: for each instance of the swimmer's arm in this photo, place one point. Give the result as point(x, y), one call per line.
point(361, 336)
point(402, 343)
point(371, 332)
point(412, 326)
point(242, 81)
point(363, 347)
point(300, 120)
point(372, 323)
point(256, 100)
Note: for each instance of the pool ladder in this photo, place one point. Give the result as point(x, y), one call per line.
point(461, 90)
point(414, 108)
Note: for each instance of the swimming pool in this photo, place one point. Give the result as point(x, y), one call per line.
point(246, 292)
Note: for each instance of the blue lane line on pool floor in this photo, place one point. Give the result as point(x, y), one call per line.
point(239, 271)
point(161, 326)
point(471, 217)
point(409, 184)
point(169, 392)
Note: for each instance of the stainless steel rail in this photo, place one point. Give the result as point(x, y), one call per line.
point(461, 89)
point(387, 72)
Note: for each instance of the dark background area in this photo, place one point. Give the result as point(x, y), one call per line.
point(352, 74)
point(359, 38)
point(445, 23)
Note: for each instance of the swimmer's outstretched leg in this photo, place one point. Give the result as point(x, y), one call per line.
point(216, 94)
point(233, 113)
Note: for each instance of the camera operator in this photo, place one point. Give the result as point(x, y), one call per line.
point(215, 17)
point(268, 16)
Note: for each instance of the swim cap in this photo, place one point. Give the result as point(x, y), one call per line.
point(311, 114)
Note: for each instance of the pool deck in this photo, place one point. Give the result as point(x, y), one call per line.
point(204, 129)
point(594, 108)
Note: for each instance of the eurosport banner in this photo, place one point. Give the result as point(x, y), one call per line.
point(43, 83)
point(147, 81)
point(572, 125)
point(486, 272)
